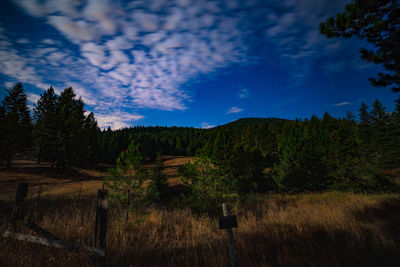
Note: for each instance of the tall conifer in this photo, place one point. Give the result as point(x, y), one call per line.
point(17, 125)
point(45, 130)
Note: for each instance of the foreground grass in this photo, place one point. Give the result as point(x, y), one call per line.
point(327, 229)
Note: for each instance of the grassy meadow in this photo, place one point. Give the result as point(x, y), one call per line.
point(315, 229)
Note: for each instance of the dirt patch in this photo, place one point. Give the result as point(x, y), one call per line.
point(171, 165)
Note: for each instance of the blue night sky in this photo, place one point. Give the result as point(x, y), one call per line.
point(186, 63)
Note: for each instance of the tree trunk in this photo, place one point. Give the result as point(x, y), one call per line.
point(9, 156)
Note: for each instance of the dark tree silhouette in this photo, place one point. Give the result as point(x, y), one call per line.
point(45, 130)
point(16, 123)
point(377, 22)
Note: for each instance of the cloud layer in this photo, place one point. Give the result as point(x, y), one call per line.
point(137, 55)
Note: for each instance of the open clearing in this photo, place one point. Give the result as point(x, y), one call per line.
point(67, 183)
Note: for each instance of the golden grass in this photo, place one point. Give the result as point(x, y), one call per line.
point(52, 182)
point(171, 165)
point(316, 229)
point(72, 183)
point(325, 229)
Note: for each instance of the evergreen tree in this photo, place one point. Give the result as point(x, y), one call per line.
point(91, 139)
point(2, 132)
point(365, 132)
point(127, 177)
point(70, 119)
point(17, 125)
point(365, 119)
point(245, 169)
point(384, 137)
point(318, 154)
point(342, 152)
point(158, 189)
point(396, 115)
point(45, 130)
point(208, 187)
point(395, 134)
point(377, 22)
point(350, 116)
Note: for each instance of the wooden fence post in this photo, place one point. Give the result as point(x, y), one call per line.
point(48, 239)
point(22, 192)
point(100, 227)
point(231, 240)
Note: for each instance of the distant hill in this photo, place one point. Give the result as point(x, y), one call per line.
point(254, 122)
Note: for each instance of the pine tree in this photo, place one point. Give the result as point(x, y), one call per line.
point(2, 131)
point(45, 130)
point(395, 134)
point(385, 137)
point(158, 189)
point(365, 126)
point(377, 22)
point(207, 187)
point(380, 143)
point(396, 116)
point(378, 114)
point(127, 177)
point(70, 119)
point(17, 125)
point(350, 116)
point(91, 138)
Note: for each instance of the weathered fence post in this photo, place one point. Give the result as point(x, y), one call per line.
point(227, 222)
point(22, 192)
point(100, 227)
point(48, 239)
point(38, 195)
point(36, 206)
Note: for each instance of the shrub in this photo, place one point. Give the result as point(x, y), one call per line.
point(127, 177)
point(208, 188)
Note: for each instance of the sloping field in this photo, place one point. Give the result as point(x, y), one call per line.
point(67, 183)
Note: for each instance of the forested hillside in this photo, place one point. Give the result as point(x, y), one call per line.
point(252, 154)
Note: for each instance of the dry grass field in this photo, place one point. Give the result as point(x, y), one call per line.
point(69, 183)
point(316, 229)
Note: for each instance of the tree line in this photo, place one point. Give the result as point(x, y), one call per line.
point(57, 131)
point(254, 155)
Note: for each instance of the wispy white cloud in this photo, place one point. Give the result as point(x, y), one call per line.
point(206, 125)
point(117, 120)
point(292, 31)
point(76, 31)
point(139, 54)
point(244, 93)
point(23, 41)
point(342, 104)
point(234, 110)
point(33, 98)
point(8, 84)
point(49, 41)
